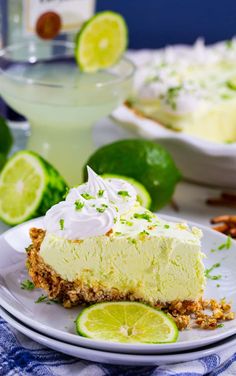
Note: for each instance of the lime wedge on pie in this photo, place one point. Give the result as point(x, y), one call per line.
point(101, 41)
point(126, 322)
point(29, 186)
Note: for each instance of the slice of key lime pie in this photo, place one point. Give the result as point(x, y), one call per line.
point(101, 245)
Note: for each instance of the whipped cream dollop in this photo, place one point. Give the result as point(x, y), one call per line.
point(91, 209)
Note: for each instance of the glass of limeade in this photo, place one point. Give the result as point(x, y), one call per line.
point(43, 83)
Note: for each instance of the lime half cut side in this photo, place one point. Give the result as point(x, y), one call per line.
point(143, 196)
point(29, 186)
point(126, 322)
point(101, 41)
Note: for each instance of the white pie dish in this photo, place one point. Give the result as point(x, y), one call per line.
point(199, 160)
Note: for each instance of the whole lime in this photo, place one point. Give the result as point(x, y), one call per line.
point(143, 160)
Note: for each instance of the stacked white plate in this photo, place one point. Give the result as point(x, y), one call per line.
point(53, 326)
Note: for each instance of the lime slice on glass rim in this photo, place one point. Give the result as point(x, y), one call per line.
point(29, 186)
point(143, 196)
point(101, 41)
point(127, 322)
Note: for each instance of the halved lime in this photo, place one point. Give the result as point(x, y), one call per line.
point(126, 322)
point(29, 186)
point(143, 196)
point(101, 41)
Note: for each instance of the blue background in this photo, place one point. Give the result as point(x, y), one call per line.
point(155, 23)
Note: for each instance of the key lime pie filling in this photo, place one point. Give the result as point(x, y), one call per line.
point(101, 245)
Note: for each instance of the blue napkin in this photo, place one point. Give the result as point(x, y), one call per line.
point(20, 356)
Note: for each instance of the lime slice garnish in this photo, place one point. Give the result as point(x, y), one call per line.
point(143, 196)
point(101, 41)
point(126, 322)
point(29, 186)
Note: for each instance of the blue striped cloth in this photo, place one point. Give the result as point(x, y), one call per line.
point(20, 356)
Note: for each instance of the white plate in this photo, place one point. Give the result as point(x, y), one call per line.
point(206, 161)
point(58, 322)
point(115, 358)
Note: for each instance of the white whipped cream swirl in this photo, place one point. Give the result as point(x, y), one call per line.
point(91, 209)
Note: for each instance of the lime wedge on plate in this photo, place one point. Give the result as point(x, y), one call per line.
point(29, 186)
point(143, 196)
point(126, 322)
point(101, 41)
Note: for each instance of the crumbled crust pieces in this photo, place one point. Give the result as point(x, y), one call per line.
point(192, 314)
point(186, 313)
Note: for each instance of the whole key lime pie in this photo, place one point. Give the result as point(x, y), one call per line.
point(191, 89)
point(101, 245)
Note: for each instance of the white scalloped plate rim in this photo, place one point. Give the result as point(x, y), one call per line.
point(41, 317)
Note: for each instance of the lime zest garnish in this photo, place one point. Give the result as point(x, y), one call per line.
point(172, 95)
point(213, 277)
point(100, 192)
point(143, 233)
point(41, 299)
point(61, 222)
point(125, 222)
point(226, 245)
point(45, 299)
point(124, 193)
point(102, 209)
point(79, 205)
point(27, 285)
point(132, 241)
point(145, 216)
point(87, 196)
